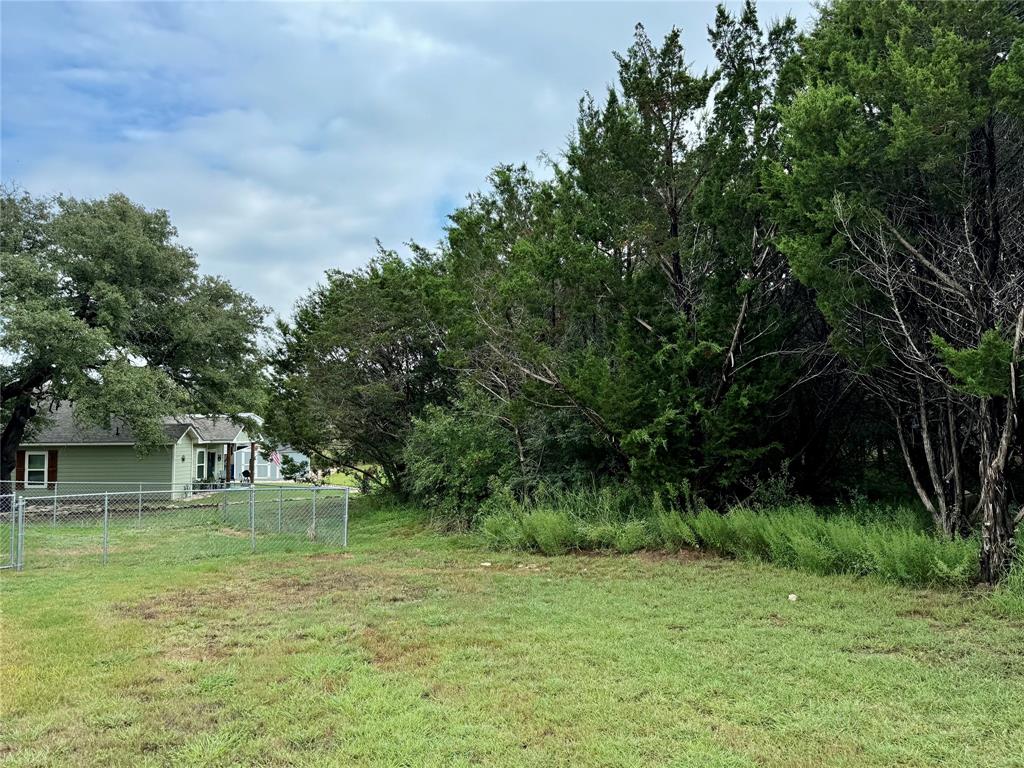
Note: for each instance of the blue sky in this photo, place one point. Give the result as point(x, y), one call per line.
point(284, 137)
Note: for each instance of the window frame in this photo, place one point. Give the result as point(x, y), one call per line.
point(200, 461)
point(45, 469)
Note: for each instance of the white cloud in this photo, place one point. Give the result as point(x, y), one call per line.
point(284, 137)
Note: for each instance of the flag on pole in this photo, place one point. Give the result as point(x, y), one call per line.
point(275, 457)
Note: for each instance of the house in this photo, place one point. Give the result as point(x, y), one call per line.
point(263, 468)
point(198, 449)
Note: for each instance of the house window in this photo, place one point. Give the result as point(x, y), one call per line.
point(262, 469)
point(201, 464)
point(36, 464)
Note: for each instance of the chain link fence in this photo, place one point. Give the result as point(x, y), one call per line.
point(74, 525)
point(10, 527)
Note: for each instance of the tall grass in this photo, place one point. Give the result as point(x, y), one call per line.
point(1008, 597)
point(887, 542)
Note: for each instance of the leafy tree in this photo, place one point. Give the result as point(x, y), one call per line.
point(625, 319)
point(355, 367)
point(456, 456)
point(902, 189)
point(104, 308)
point(292, 469)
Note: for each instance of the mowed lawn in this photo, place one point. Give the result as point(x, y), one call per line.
point(417, 649)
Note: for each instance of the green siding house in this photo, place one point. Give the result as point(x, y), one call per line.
point(197, 450)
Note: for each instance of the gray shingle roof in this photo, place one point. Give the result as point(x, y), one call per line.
point(58, 427)
point(216, 429)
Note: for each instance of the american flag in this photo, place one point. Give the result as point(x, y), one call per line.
point(275, 457)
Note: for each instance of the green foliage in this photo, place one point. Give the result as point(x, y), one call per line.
point(984, 370)
point(614, 321)
point(799, 537)
point(104, 307)
point(356, 366)
point(881, 541)
point(671, 526)
point(504, 531)
point(453, 459)
point(292, 469)
point(551, 531)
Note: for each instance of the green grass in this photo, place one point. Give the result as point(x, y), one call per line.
point(183, 529)
point(346, 477)
point(891, 543)
point(416, 649)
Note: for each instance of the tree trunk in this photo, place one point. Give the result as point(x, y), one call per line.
point(997, 524)
point(13, 432)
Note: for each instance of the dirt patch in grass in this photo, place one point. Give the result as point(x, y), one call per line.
point(276, 592)
point(180, 603)
point(394, 652)
point(330, 557)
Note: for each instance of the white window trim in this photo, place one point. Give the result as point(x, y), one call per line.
point(46, 469)
point(263, 469)
point(195, 464)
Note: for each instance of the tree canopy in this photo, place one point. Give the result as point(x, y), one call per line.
point(103, 307)
point(804, 263)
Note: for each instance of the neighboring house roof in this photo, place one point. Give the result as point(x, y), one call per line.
point(60, 428)
point(216, 429)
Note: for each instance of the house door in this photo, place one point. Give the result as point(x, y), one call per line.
point(211, 465)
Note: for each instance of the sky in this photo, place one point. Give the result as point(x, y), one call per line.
point(284, 137)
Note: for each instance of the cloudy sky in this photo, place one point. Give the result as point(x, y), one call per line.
point(284, 137)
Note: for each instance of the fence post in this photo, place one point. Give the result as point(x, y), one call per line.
point(279, 493)
point(313, 528)
point(140, 502)
point(344, 521)
point(55, 503)
point(15, 502)
point(20, 565)
point(252, 518)
point(106, 525)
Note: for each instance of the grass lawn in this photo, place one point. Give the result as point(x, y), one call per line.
point(415, 649)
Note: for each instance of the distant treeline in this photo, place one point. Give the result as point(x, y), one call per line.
point(807, 263)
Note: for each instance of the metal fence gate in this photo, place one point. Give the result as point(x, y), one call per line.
point(12, 532)
point(150, 524)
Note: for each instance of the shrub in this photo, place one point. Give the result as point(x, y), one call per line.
point(551, 531)
point(712, 531)
point(633, 535)
point(597, 535)
point(504, 531)
point(671, 529)
point(866, 540)
point(798, 537)
point(454, 460)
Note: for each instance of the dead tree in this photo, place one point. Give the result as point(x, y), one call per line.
point(948, 276)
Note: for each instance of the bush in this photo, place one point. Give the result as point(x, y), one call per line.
point(597, 536)
point(504, 531)
point(633, 535)
point(550, 531)
point(454, 459)
point(867, 540)
point(799, 537)
point(671, 529)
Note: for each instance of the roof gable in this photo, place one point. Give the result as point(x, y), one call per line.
point(59, 427)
